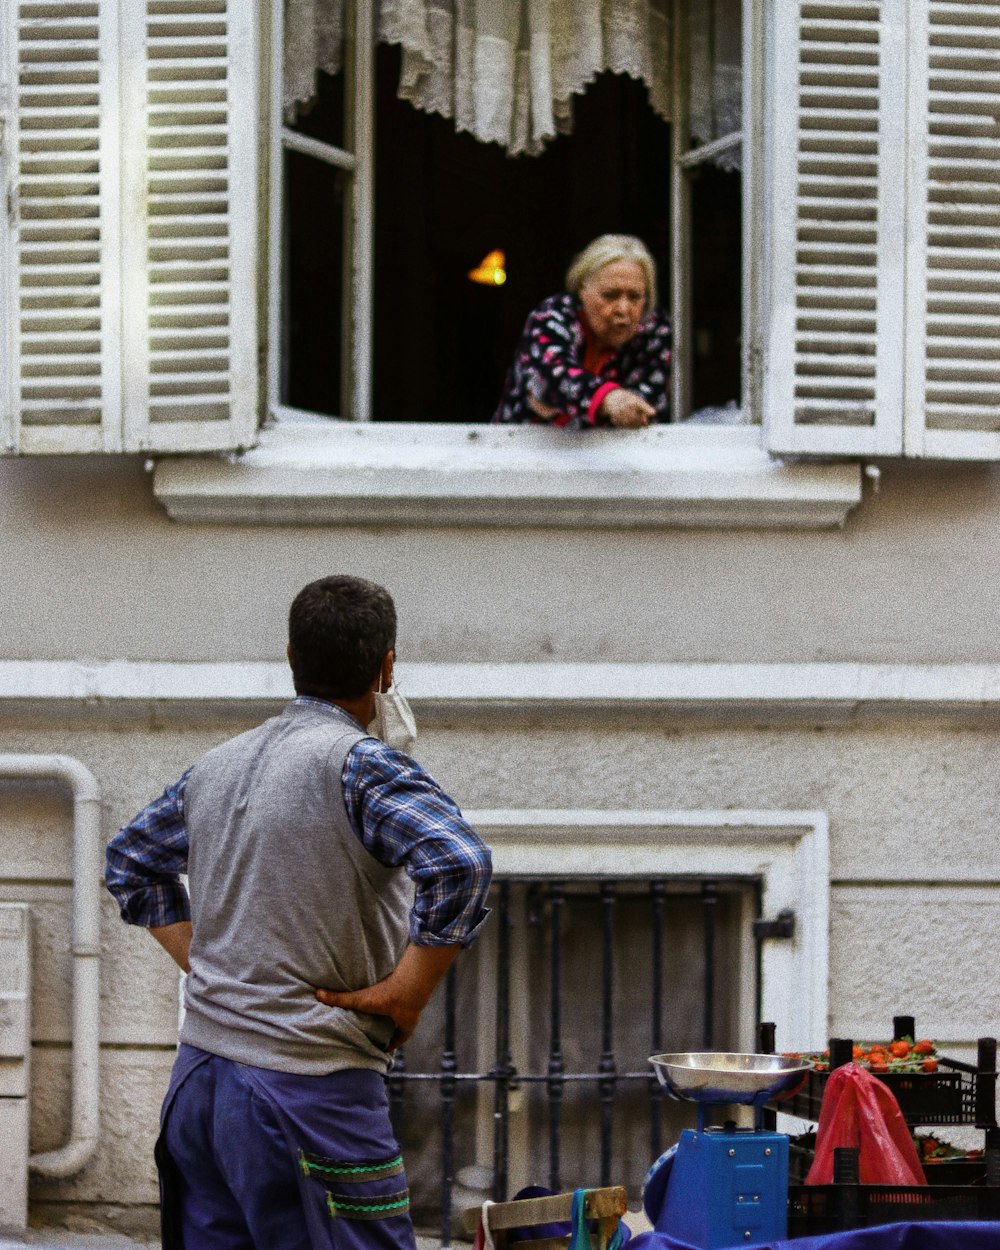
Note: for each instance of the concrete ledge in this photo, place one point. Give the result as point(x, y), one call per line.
point(761, 693)
point(308, 472)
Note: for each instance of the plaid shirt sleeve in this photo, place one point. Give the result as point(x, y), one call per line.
point(144, 861)
point(404, 818)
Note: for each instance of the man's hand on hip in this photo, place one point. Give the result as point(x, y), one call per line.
point(403, 994)
point(175, 939)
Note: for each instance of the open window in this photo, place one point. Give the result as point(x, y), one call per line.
point(856, 314)
point(384, 208)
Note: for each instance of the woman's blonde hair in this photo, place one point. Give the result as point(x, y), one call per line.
point(605, 250)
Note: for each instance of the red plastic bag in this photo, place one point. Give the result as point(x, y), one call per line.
point(861, 1111)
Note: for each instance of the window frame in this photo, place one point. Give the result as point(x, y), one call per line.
point(317, 470)
point(684, 160)
point(356, 159)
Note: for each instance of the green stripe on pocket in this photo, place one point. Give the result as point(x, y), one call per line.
point(344, 1173)
point(377, 1207)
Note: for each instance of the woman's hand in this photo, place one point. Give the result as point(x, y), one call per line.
point(545, 411)
point(626, 409)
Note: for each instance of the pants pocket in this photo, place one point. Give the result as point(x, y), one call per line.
point(359, 1190)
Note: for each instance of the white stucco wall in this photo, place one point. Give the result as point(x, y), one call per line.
point(93, 571)
point(915, 869)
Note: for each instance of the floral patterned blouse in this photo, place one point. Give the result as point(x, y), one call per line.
point(549, 367)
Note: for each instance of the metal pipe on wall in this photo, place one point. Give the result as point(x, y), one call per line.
point(86, 948)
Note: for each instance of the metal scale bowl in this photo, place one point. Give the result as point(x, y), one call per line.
point(722, 1186)
point(706, 1077)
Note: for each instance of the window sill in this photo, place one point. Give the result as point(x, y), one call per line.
point(336, 473)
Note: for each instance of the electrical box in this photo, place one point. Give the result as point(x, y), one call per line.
point(15, 1058)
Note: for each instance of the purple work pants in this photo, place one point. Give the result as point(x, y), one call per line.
point(252, 1159)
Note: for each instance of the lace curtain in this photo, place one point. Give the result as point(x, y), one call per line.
point(715, 39)
point(506, 71)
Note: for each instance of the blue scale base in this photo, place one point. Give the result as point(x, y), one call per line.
point(727, 1188)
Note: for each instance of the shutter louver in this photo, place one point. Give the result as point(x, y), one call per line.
point(65, 394)
point(953, 393)
point(834, 367)
point(191, 315)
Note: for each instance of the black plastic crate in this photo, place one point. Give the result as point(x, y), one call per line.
point(815, 1209)
point(800, 1159)
point(948, 1096)
point(957, 1093)
point(958, 1171)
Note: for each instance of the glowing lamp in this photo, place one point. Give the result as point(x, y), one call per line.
point(490, 271)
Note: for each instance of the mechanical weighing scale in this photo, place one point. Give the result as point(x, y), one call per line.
point(723, 1186)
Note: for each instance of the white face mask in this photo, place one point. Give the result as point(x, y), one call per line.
point(393, 721)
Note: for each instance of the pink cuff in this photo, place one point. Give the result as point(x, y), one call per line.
point(598, 399)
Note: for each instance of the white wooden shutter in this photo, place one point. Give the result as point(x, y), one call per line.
point(190, 102)
point(60, 257)
point(835, 176)
point(953, 268)
point(131, 152)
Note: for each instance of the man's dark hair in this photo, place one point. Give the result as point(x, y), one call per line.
point(339, 628)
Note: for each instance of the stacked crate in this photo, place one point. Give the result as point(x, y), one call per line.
point(958, 1093)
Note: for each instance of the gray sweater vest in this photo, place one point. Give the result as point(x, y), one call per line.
point(284, 899)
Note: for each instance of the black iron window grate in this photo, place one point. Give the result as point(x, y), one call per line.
point(539, 1042)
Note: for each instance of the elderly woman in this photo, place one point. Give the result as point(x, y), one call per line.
point(598, 354)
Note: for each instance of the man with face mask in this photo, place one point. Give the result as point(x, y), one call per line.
point(332, 884)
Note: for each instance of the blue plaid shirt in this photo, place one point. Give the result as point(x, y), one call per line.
point(398, 811)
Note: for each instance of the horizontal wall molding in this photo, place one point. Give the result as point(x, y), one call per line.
point(761, 693)
point(326, 472)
